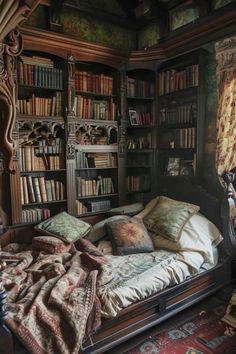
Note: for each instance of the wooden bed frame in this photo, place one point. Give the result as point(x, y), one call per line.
point(161, 306)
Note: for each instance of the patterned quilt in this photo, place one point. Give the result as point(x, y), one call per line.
point(52, 298)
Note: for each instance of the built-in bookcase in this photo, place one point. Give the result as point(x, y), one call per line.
point(181, 116)
point(96, 138)
point(140, 141)
point(40, 135)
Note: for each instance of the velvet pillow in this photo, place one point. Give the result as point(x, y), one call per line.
point(128, 237)
point(98, 230)
point(64, 226)
point(169, 216)
point(129, 209)
point(50, 244)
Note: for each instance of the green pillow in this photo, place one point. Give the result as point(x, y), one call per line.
point(168, 217)
point(64, 226)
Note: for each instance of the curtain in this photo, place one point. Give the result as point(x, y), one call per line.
point(226, 114)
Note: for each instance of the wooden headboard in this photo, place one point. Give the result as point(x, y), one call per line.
point(188, 191)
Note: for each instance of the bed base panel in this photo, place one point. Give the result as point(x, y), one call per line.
point(156, 309)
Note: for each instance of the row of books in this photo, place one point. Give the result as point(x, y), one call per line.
point(179, 138)
point(30, 159)
point(41, 106)
point(139, 88)
point(141, 142)
point(88, 108)
point(40, 76)
point(40, 190)
point(34, 215)
point(93, 187)
point(90, 82)
point(95, 160)
point(93, 206)
point(174, 80)
point(140, 118)
point(138, 183)
point(182, 114)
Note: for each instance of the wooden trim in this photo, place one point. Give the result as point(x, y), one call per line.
point(62, 45)
point(197, 34)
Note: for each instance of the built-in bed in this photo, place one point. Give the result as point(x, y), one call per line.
point(176, 279)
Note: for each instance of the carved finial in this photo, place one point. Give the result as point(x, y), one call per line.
point(228, 178)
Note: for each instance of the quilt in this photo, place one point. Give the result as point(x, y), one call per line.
point(52, 298)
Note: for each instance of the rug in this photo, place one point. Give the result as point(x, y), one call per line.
point(196, 331)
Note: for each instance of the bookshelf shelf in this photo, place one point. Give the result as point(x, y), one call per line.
point(138, 98)
point(35, 87)
point(95, 94)
point(138, 151)
point(98, 196)
point(42, 203)
point(96, 168)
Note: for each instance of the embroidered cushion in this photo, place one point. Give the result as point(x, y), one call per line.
point(50, 244)
point(129, 209)
point(148, 207)
point(98, 230)
point(129, 236)
point(64, 226)
point(169, 216)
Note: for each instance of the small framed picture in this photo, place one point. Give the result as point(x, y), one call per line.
point(133, 117)
point(173, 166)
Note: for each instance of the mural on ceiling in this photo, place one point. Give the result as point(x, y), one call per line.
point(38, 18)
point(182, 15)
point(148, 36)
point(216, 4)
point(88, 29)
point(108, 5)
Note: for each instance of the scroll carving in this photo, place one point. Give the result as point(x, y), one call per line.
point(12, 13)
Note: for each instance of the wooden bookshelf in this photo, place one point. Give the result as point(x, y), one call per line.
point(140, 133)
point(181, 115)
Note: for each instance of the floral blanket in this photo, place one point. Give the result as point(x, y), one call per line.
point(52, 298)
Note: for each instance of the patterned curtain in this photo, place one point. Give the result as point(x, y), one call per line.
point(226, 115)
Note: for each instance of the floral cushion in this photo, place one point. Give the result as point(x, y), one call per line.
point(64, 226)
point(169, 216)
point(98, 230)
point(129, 236)
point(50, 244)
point(129, 209)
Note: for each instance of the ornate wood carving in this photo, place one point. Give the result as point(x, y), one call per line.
point(93, 133)
point(71, 86)
point(12, 13)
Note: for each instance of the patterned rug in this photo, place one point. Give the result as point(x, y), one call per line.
point(196, 331)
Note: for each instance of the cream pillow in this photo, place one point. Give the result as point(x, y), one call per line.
point(199, 235)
